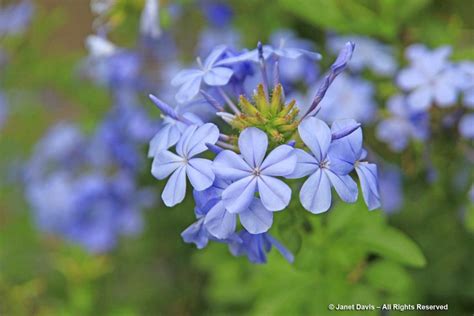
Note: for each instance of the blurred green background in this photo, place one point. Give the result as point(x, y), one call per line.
point(156, 273)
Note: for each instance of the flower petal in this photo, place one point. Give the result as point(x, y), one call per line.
point(200, 173)
point(410, 78)
point(280, 162)
point(183, 144)
point(219, 222)
point(166, 137)
point(214, 56)
point(315, 194)
point(345, 187)
point(197, 234)
point(305, 164)
point(218, 76)
point(367, 174)
point(274, 193)
point(256, 219)
point(189, 90)
point(420, 99)
point(253, 144)
point(230, 166)
point(238, 196)
point(165, 163)
point(185, 76)
point(207, 133)
point(316, 135)
point(175, 189)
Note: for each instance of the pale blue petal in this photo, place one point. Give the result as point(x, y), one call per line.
point(315, 194)
point(345, 187)
point(256, 219)
point(238, 196)
point(165, 163)
point(230, 166)
point(280, 162)
point(367, 174)
point(175, 189)
point(207, 133)
point(219, 222)
point(344, 152)
point(197, 234)
point(189, 90)
point(316, 135)
point(410, 78)
point(185, 76)
point(183, 144)
point(200, 173)
point(420, 99)
point(274, 193)
point(247, 56)
point(253, 144)
point(445, 94)
point(305, 164)
point(214, 56)
point(166, 137)
point(218, 76)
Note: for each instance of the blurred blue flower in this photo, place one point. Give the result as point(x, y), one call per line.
point(370, 54)
point(218, 13)
point(349, 97)
point(466, 126)
point(3, 110)
point(256, 247)
point(430, 78)
point(391, 190)
point(252, 172)
point(198, 170)
point(402, 125)
point(14, 19)
point(294, 70)
point(315, 194)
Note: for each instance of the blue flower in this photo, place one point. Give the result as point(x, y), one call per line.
point(218, 14)
point(351, 149)
point(391, 191)
point(15, 18)
point(221, 223)
point(429, 78)
point(256, 247)
point(198, 170)
point(252, 172)
point(325, 165)
point(210, 72)
point(403, 125)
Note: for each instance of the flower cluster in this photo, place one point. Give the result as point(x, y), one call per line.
point(239, 161)
point(430, 80)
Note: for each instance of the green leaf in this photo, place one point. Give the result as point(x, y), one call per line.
point(393, 244)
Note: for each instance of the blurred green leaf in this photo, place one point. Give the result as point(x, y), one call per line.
point(393, 244)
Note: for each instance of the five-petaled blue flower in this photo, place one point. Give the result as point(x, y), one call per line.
point(326, 166)
point(198, 170)
point(252, 173)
